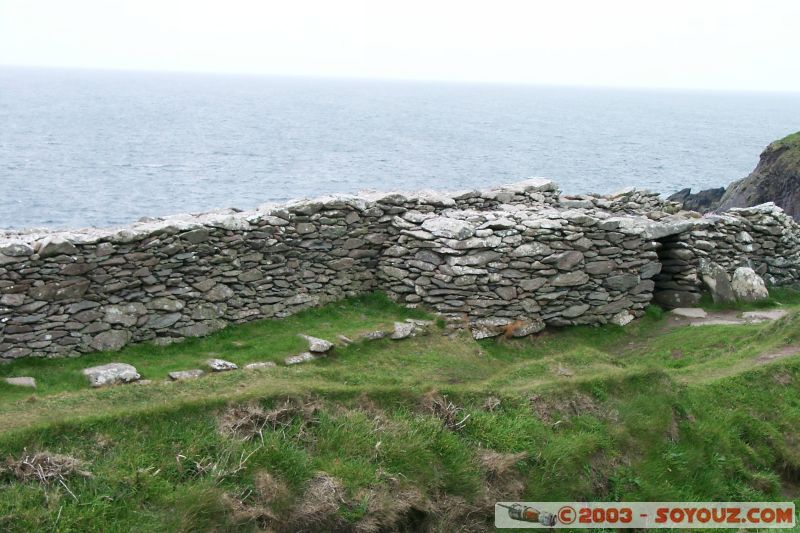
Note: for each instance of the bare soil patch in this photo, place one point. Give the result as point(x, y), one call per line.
point(781, 353)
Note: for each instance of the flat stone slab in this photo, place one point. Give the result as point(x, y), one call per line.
point(22, 382)
point(689, 312)
point(748, 317)
point(111, 374)
point(763, 316)
point(220, 365)
point(317, 345)
point(181, 375)
point(374, 335)
point(259, 366)
point(718, 322)
point(300, 358)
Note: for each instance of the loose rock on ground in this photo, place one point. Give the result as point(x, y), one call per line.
point(22, 382)
point(220, 365)
point(182, 375)
point(111, 374)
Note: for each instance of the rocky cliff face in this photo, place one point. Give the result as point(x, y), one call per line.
point(775, 179)
point(702, 202)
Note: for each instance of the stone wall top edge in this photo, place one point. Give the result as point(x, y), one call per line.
point(627, 191)
point(27, 242)
point(569, 220)
point(238, 219)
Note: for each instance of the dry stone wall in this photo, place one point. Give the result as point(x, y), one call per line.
point(763, 238)
point(518, 269)
point(62, 295)
point(509, 260)
point(162, 280)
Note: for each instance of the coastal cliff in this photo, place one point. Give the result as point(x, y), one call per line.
point(775, 179)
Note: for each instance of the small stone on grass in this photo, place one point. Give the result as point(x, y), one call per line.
point(623, 318)
point(180, 375)
point(259, 366)
point(402, 330)
point(22, 382)
point(220, 365)
point(111, 374)
point(301, 358)
point(373, 335)
point(316, 345)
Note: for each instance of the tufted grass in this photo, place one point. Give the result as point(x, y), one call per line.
point(646, 412)
point(265, 340)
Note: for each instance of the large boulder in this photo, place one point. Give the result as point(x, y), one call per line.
point(748, 286)
point(716, 280)
point(775, 179)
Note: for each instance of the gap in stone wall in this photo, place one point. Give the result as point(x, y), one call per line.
point(677, 285)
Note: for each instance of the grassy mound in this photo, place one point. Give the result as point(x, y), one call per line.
point(421, 434)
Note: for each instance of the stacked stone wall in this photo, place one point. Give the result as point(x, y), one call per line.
point(763, 238)
point(509, 259)
point(180, 280)
point(185, 276)
point(520, 268)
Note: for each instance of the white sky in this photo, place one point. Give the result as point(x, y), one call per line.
point(709, 44)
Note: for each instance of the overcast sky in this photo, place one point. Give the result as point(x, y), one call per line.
point(709, 44)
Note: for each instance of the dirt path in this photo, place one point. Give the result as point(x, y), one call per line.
point(781, 353)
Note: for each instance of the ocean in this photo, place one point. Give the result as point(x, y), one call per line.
point(85, 148)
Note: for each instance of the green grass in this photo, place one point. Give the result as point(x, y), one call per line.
point(267, 340)
point(778, 296)
point(790, 141)
point(646, 412)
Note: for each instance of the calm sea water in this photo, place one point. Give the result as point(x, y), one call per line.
point(85, 148)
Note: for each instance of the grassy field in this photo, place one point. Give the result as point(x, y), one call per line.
point(420, 434)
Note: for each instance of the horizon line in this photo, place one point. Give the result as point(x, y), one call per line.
point(397, 79)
